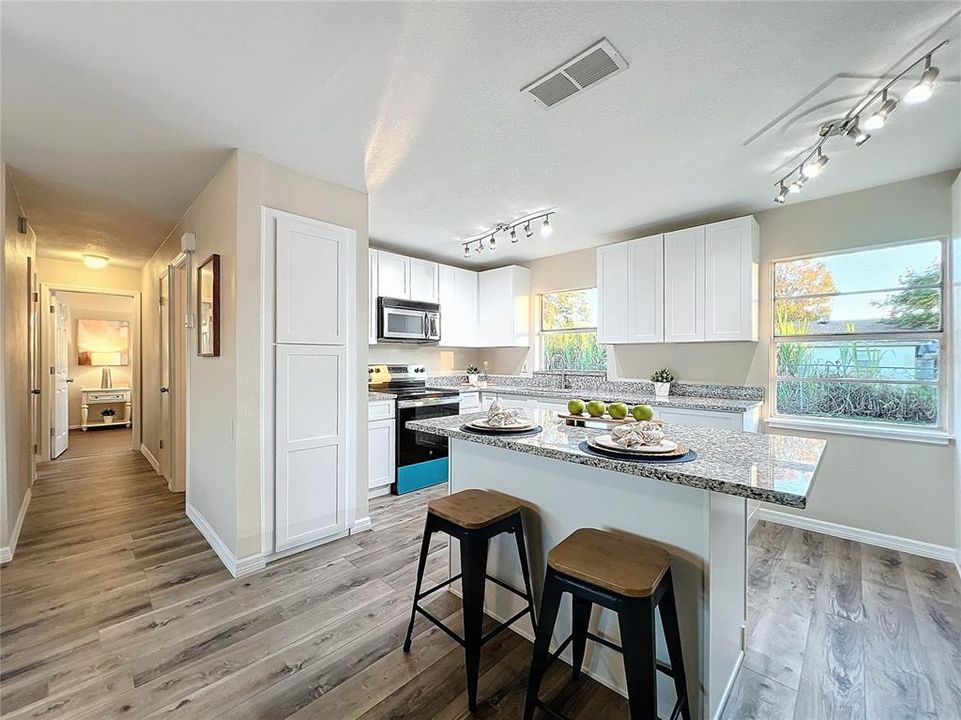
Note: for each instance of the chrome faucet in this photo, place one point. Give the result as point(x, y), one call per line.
point(565, 385)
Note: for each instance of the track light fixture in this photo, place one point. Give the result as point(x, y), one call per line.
point(490, 236)
point(850, 126)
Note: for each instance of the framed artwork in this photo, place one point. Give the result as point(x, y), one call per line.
point(103, 342)
point(208, 307)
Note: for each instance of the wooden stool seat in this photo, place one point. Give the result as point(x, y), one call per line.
point(622, 564)
point(473, 509)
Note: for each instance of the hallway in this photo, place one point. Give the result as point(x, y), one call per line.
point(106, 441)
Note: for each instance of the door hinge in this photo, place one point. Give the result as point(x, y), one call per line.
point(161, 444)
point(53, 308)
point(53, 433)
point(36, 297)
point(53, 370)
point(743, 638)
point(36, 450)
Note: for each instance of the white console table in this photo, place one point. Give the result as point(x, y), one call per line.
point(104, 396)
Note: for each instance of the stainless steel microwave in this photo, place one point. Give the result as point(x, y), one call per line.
point(407, 321)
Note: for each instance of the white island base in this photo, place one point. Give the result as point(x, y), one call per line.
point(704, 531)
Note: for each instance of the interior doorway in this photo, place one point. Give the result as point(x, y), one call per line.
point(90, 367)
point(173, 374)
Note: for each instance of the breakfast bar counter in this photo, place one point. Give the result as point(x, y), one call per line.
point(697, 510)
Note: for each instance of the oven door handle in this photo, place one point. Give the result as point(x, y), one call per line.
point(425, 402)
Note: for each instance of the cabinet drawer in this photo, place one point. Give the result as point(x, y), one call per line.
point(380, 410)
point(106, 397)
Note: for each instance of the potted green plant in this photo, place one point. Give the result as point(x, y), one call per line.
point(108, 415)
point(472, 374)
point(662, 380)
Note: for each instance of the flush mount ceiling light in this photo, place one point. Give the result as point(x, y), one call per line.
point(95, 261)
point(814, 160)
point(490, 236)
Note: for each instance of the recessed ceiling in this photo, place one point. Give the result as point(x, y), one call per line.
point(115, 115)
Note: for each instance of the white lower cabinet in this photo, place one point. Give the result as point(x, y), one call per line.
point(470, 402)
point(381, 449)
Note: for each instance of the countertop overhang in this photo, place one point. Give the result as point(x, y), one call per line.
point(777, 469)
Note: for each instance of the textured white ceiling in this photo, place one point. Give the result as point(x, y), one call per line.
point(115, 115)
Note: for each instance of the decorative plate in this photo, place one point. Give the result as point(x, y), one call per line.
point(606, 442)
point(482, 424)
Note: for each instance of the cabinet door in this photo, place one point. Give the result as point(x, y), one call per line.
point(470, 402)
point(372, 297)
point(700, 418)
point(646, 289)
point(311, 436)
point(380, 453)
point(684, 285)
point(494, 309)
point(465, 292)
point(311, 282)
point(730, 280)
point(393, 275)
point(423, 280)
point(613, 293)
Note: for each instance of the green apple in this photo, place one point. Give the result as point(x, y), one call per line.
point(617, 411)
point(643, 412)
point(575, 407)
point(595, 408)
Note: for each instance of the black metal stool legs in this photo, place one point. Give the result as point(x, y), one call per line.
point(636, 622)
point(580, 619)
point(473, 563)
point(421, 563)
point(672, 634)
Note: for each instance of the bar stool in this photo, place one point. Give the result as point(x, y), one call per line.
point(473, 517)
point(630, 576)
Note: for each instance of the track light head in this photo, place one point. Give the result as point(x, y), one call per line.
point(513, 235)
point(493, 243)
point(467, 251)
point(880, 117)
point(813, 169)
point(925, 87)
point(855, 132)
point(781, 195)
point(527, 229)
point(798, 184)
point(546, 229)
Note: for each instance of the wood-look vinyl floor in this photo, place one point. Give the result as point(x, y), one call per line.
point(98, 441)
point(115, 607)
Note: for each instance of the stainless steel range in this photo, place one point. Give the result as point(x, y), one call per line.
point(421, 458)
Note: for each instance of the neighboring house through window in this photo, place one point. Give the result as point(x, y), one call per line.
point(567, 335)
point(859, 337)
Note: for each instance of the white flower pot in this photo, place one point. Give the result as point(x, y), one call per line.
point(472, 378)
point(108, 419)
point(662, 389)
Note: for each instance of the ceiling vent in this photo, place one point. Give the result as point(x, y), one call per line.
point(599, 62)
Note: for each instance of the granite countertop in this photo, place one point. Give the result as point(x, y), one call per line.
point(778, 469)
point(379, 396)
point(681, 402)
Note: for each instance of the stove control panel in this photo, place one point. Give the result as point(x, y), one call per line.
point(380, 374)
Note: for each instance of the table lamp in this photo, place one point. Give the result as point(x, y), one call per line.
point(106, 360)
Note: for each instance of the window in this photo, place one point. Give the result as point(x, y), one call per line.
point(858, 337)
point(568, 331)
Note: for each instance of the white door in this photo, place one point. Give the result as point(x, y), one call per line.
point(684, 285)
point(393, 275)
point(730, 280)
point(380, 452)
point(311, 282)
point(61, 366)
point(163, 390)
point(311, 444)
point(613, 293)
point(423, 280)
point(646, 289)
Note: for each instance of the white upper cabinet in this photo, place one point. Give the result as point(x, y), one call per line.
point(646, 281)
point(423, 280)
point(684, 285)
point(393, 275)
point(311, 273)
point(457, 293)
point(731, 279)
point(613, 293)
point(504, 307)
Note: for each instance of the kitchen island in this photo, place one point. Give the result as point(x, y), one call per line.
point(697, 510)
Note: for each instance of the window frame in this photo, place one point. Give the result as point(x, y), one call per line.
point(539, 360)
point(938, 434)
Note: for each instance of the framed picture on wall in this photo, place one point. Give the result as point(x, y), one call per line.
point(103, 342)
point(208, 307)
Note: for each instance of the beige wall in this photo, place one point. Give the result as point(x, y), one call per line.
point(956, 327)
point(91, 306)
point(893, 487)
point(263, 183)
point(15, 400)
point(225, 449)
point(75, 273)
point(435, 359)
point(212, 487)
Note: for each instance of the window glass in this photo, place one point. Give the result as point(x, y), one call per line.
point(568, 331)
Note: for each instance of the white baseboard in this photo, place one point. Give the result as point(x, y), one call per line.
point(360, 525)
point(150, 458)
point(237, 567)
point(868, 537)
point(6, 552)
